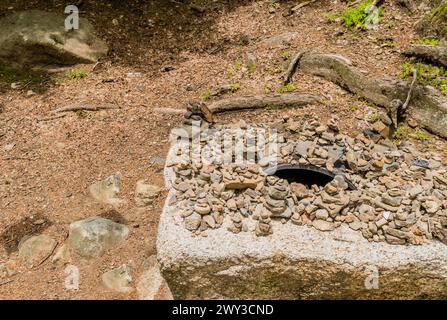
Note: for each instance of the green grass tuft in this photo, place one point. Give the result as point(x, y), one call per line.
point(290, 87)
point(401, 132)
point(76, 74)
point(427, 74)
point(206, 95)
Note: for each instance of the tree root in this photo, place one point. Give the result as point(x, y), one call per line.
point(292, 67)
point(258, 102)
point(435, 54)
point(428, 107)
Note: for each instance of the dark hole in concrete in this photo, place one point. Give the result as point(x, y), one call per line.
point(305, 174)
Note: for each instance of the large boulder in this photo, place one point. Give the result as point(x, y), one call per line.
point(38, 40)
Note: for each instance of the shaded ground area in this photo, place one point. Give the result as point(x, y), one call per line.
point(47, 166)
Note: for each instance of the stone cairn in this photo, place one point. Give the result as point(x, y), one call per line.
point(400, 194)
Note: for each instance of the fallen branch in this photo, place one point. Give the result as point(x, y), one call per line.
point(302, 5)
point(86, 107)
point(51, 117)
point(6, 281)
point(292, 67)
point(168, 111)
point(258, 102)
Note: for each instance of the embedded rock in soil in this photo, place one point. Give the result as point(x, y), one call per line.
point(91, 237)
point(119, 279)
point(106, 190)
point(37, 39)
point(36, 249)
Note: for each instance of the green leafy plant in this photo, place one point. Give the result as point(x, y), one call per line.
point(290, 87)
point(274, 4)
point(354, 108)
point(389, 44)
point(355, 17)
point(84, 114)
point(285, 55)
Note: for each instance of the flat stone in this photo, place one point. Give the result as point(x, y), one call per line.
point(323, 225)
point(145, 193)
point(192, 222)
point(93, 236)
point(224, 265)
point(356, 225)
point(36, 249)
point(119, 279)
point(107, 190)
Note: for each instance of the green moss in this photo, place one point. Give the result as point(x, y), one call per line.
point(430, 42)
point(427, 74)
point(8, 75)
point(355, 17)
point(290, 87)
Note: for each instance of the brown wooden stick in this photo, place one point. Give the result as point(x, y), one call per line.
point(302, 5)
point(257, 102)
point(85, 107)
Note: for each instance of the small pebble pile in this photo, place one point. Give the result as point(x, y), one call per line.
point(400, 194)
